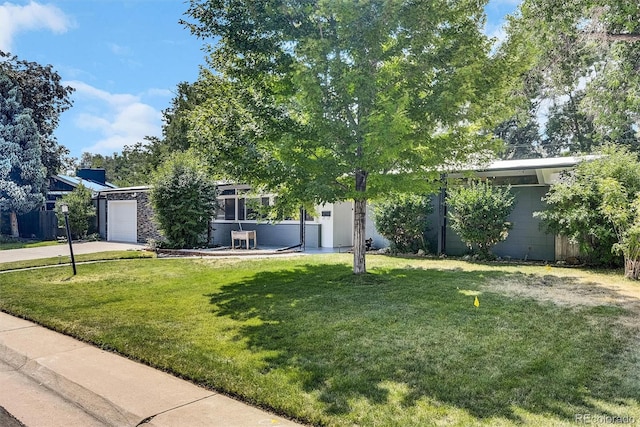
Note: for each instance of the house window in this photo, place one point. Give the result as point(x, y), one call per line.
point(241, 209)
point(515, 180)
point(233, 205)
point(230, 208)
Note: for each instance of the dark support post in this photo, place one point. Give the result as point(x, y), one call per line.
point(442, 216)
point(303, 214)
point(65, 210)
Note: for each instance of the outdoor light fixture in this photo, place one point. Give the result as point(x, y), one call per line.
point(65, 211)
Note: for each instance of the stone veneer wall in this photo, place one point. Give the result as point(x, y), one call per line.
point(147, 228)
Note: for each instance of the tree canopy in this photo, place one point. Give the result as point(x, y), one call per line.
point(320, 101)
point(133, 166)
point(32, 99)
point(582, 82)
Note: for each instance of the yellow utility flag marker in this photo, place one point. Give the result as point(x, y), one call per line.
point(476, 302)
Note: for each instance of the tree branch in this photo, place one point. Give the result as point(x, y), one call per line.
point(626, 37)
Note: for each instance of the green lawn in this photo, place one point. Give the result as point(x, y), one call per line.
point(403, 346)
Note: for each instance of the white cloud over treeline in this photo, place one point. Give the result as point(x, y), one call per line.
point(117, 119)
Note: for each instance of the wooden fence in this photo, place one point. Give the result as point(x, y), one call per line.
point(39, 224)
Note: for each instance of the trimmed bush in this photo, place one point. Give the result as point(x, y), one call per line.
point(478, 213)
point(402, 219)
point(183, 197)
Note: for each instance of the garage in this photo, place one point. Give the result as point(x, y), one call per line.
point(122, 221)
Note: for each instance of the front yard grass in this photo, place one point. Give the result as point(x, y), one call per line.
point(402, 346)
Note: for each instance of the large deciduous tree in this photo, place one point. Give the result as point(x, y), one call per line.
point(321, 100)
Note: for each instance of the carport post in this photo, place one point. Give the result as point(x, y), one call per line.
point(65, 211)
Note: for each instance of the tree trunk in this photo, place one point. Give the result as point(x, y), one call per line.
point(13, 218)
point(359, 224)
point(632, 268)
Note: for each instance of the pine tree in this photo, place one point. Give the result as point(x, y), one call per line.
point(22, 174)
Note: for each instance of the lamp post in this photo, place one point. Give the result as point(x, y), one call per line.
point(65, 211)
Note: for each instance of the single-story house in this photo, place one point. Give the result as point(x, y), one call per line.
point(129, 218)
point(128, 215)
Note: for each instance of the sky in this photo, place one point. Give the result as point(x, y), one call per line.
point(124, 58)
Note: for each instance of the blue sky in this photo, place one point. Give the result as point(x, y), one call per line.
point(124, 57)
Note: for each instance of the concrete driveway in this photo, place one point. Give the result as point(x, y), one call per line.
point(62, 249)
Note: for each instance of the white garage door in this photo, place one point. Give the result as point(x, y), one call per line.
point(122, 221)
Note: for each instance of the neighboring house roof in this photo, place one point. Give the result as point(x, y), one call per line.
point(74, 181)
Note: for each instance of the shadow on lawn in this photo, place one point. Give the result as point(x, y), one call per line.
point(351, 337)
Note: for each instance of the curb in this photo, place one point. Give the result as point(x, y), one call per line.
point(99, 386)
point(89, 401)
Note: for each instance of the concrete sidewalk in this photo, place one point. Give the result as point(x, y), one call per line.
point(49, 379)
point(62, 249)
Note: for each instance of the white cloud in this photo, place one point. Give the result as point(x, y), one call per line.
point(119, 49)
point(118, 119)
point(497, 33)
point(16, 18)
point(162, 93)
